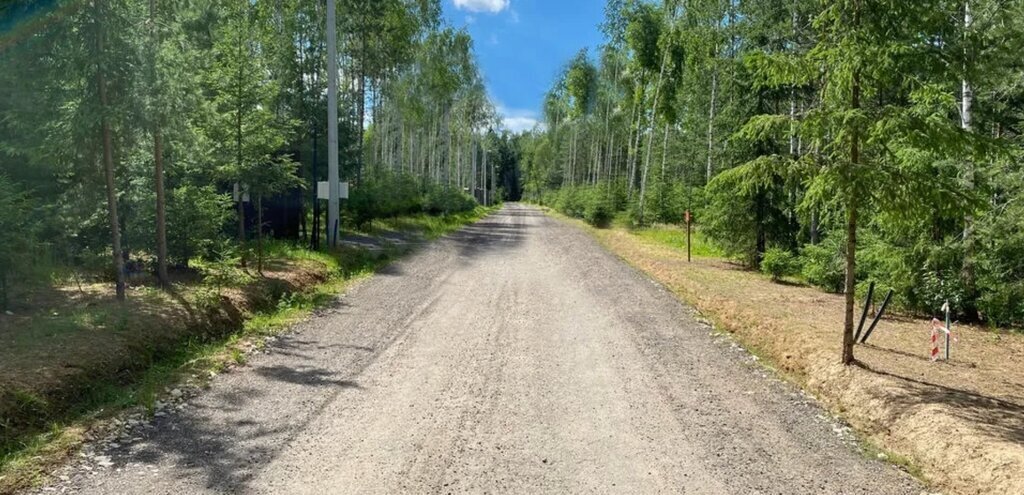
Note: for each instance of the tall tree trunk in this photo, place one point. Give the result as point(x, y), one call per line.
point(238, 152)
point(711, 125)
point(362, 106)
point(629, 151)
point(851, 230)
point(473, 175)
point(158, 161)
point(635, 145)
point(259, 234)
point(108, 161)
point(573, 147)
point(966, 122)
point(161, 210)
point(650, 134)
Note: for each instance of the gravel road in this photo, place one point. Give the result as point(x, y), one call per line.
point(515, 356)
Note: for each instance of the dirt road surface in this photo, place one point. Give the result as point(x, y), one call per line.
point(515, 356)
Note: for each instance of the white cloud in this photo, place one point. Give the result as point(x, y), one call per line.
point(519, 124)
point(492, 6)
point(518, 120)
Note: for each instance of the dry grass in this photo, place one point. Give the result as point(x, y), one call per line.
point(961, 422)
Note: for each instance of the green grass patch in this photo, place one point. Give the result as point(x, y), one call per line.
point(430, 227)
point(675, 237)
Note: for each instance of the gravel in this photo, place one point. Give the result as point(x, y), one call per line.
point(515, 356)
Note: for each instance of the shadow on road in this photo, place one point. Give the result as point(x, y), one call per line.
point(500, 231)
point(221, 440)
point(225, 436)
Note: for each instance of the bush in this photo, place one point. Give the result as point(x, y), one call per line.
point(779, 263)
point(195, 219)
point(823, 265)
point(383, 195)
point(597, 211)
point(570, 202)
point(387, 194)
point(441, 202)
point(594, 204)
point(1003, 305)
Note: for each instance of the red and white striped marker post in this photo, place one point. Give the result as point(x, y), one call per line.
point(945, 328)
point(937, 327)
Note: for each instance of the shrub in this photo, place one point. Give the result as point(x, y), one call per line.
point(195, 219)
point(440, 201)
point(597, 211)
point(822, 265)
point(382, 195)
point(1003, 305)
point(779, 263)
point(570, 202)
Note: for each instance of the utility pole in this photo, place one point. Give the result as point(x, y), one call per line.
point(332, 126)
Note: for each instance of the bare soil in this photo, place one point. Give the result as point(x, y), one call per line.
point(961, 422)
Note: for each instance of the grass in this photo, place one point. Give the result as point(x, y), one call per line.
point(26, 458)
point(675, 237)
point(871, 450)
point(431, 227)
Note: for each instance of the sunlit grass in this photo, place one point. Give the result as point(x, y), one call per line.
point(430, 227)
point(675, 237)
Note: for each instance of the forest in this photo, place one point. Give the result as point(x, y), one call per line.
point(843, 142)
point(137, 136)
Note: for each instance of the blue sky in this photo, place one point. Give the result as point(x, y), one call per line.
point(522, 44)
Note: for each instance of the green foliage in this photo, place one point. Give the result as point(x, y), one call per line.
point(1003, 304)
point(780, 263)
point(388, 195)
point(592, 204)
point(443, 201)
point(822, 264)
point(16, 236)
point(384, 195)
point(798, 124)
point(581, 83)
point(746, 211)
point(597, 211)
point(196, 219)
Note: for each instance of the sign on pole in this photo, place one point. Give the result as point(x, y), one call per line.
point(240, 193)
point(323, 190)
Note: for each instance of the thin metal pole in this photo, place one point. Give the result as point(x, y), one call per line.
point(688, 258)
point(864, 314)
point(332, 124)
point(948, 330)
point(878, 317)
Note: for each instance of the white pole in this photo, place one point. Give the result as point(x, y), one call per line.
point(332, 126)
point(486, 198)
